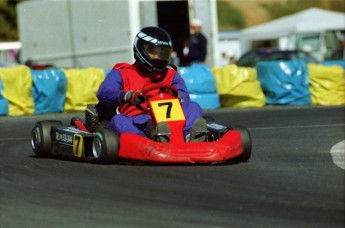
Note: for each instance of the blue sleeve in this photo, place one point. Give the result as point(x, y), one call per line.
point(111, 89)
point(180, 85)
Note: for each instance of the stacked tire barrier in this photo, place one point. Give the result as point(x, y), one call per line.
point(201, 85)
point(16, 91)
point(327, 84)
point(3, 102)
point(82, 87)
point(284, 82)
point(238, 87)
point(281, 83)
point(26, 92)
point(339, 62)
point(49, 90)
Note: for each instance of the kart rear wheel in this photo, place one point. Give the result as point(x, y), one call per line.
point(41, 139)
point(105, 146)
point(246, 143)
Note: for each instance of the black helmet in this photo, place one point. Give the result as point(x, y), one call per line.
point(152, 49)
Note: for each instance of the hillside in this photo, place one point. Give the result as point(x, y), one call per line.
point(255, 13)
point(252, 10)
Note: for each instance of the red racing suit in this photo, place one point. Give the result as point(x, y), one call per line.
point(134, 80)
point(124, 77)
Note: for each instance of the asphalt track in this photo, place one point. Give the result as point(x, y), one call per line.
point(290, 180)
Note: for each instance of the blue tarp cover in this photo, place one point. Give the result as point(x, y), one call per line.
point(206, 100)
point(3, 102)
point(340, 62)
point(285, 82)
point(49, 90)
point(198, 78)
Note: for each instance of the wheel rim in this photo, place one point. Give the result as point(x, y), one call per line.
point(34, 140)
point(96, 147)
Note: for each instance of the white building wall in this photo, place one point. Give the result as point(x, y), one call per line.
point(85, 33)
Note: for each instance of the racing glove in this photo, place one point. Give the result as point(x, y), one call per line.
point(134, 97)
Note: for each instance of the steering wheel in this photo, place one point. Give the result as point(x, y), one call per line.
point(169, 89)
point(163, 88)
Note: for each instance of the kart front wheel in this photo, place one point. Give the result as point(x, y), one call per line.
point(246, 143)
point(105, 146)
point(41, 139)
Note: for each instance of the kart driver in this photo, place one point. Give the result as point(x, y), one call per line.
point(121, 89)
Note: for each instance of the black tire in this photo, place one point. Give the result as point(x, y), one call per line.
point(41, 142)
point(105, 146)
point(246, 143)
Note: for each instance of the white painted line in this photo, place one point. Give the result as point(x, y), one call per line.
point(338, 154)
point(13, 139)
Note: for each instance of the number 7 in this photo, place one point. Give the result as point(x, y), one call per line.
point(169, 104)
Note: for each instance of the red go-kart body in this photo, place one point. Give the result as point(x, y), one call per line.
point(177, 150)
point(91, 143)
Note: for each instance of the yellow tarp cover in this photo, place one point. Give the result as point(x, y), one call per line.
point(17, 89)
point(82, 87)
point(238, 87)
point(327, 84)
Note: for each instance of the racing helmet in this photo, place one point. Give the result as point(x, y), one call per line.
point(152, 49)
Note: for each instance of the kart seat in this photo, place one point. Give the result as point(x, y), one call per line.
point(98, 115)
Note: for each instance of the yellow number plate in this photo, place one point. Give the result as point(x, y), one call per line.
point(167, 110)
point(78, 145)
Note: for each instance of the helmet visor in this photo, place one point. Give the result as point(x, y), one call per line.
point(157, 52)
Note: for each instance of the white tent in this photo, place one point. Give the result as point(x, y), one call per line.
point(307, 21)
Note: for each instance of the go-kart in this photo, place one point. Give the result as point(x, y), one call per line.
point(89, 142)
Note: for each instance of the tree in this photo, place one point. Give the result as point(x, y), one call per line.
point(229, 17)
point(279, 8)
point(8, 20)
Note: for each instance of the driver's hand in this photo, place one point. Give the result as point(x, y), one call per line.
point(134, 97)
point(180, 98)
